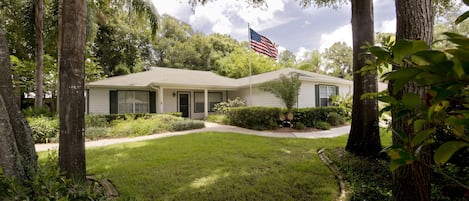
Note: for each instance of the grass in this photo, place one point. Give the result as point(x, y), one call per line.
point(217, 166)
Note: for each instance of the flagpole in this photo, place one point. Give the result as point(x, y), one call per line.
point(250, 67)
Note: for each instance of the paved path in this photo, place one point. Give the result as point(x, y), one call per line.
point(334, 132)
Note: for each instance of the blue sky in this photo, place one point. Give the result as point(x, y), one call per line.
point(284, 22)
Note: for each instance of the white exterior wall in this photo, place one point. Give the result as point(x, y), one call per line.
point(259, 98)
point(99, 101)
point(345, 90)
point(170, 102)
point(307, 95)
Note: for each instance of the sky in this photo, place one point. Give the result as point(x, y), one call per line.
point(284, 22)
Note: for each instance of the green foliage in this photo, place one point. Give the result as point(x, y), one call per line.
point(286, 88)
point(223, 107)
point(446, 106)
point(45, 129)
point(217, 118)
point(322, 125)
point(369, 179)
point(335, 119)
point(236, 64)
point(300, 126)
point(48, 183)
point(311, 62)
point(338, 60)
point(186, 124)
point(96, 121)
point(265, 118)
point(258, 118)
point(36, 112)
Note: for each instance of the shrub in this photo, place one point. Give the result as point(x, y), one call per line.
point(300, 126)
point(94, 133)
point(49, 184)
point(186, 125)
point(217, 118)
point(322, 125)
point(36, 112)
point(44, 129)
point(96, 121)
point(335, 119)
point(223, 107)
point(176, 114)
point(137, 127)
point(259, 118)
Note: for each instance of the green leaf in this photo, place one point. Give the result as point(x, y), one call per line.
point(411, 100)
point(420, 137)
point(462, 17)
point(387, 99)
point(402, 77)
point(446, 150)
point(457, 68)
point(418, 125)
point(405, 48)
point(428, 57)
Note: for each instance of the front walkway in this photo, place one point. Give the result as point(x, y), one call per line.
point(211, 127)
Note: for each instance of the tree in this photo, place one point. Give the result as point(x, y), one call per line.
point(17, 154)
point(72, 43)
point(364, 137)
point(339, 60)
point(414, 21)
point(286, 88)
point(311, 62)
point(236, 64)
point(39, 51)
point(287, 59)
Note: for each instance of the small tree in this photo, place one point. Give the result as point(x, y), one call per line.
point(286, 88)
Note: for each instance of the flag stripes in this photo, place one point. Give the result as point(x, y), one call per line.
point(262, 44)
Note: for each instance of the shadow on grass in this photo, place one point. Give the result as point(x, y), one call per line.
point(217, 166)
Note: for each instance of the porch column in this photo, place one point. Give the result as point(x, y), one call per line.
point(206, 103)
point(160, 100)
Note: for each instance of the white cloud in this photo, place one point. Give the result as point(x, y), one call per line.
point(342, 34)
point(387, 26)
point(281, 49)
point(174, 8)
point(301, 53)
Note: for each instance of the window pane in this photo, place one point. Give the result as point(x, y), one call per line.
point(199, 102)
point(322, 91)
point(142, 102)
point(125, 102)
point(214, 98)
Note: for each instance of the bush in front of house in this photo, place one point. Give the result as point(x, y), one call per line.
point(322, 125)
point(258, 118)
point(186, 124)
point(217, 118)
point(265, 118)
point(45, 129)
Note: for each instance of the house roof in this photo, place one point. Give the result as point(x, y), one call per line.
point(172, 77)
point(304, 75)
point(167, 77)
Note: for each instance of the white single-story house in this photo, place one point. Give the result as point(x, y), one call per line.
point(194, 93)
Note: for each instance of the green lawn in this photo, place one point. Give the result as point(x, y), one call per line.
point(217, 166)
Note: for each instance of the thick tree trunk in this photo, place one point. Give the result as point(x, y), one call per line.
point(412, 182)
point(38, 26)
point(364, 134)
point(72, 31)
point(17, 154)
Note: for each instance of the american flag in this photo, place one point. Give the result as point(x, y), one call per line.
point(262, 44)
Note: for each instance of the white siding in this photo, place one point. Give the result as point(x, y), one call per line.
point(260, 98)
point(99, 101)
point(170, 101)
point(345, 90)
point(307, 95)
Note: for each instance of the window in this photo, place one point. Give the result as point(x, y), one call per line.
point(324, 93)
point(133, 102)
point(213, 98)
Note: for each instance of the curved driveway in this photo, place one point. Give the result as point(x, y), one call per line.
point(211, 127)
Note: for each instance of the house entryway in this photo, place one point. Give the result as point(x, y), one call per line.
point(184, 104)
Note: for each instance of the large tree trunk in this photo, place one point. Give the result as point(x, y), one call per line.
point(17, 154)
point(364, 134)
point(38, 27)
point(72, 34)
point(412, 182)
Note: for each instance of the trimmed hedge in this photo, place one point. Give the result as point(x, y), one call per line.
point(265, 118)
point(258, 118)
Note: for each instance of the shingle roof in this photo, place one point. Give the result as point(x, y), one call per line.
point(192, 78)
point(168, 76)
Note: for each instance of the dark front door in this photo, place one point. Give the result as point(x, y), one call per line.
point(184, 104)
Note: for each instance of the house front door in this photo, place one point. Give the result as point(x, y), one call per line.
point(184, 104)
